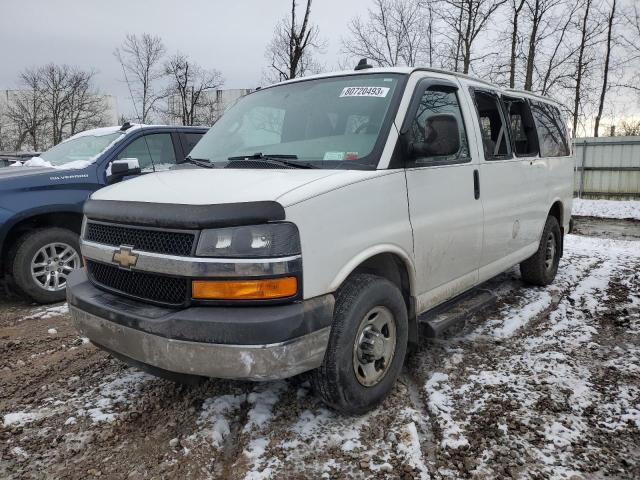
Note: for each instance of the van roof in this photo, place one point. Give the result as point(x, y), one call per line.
point(410, 70)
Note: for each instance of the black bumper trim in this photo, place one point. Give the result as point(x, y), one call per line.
point(184, 216)
point(240, 325)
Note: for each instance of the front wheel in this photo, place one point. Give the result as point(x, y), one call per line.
point(541, 268)
point(367, 345)
point(43, 260)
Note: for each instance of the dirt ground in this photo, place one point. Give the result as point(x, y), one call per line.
point(545, 384)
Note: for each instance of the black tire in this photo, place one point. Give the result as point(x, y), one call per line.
point(535, 270)
point(336, 381)
point(26, 247)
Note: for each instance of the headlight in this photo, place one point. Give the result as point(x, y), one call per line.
point(269, 240)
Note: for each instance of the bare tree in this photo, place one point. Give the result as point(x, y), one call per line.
point(189, 85)
point(629, 128)
point(516, 8)
point(55, 101)
point(293, 46)
point(467, 19)
point(554, 68)
point(86, 107)
point(141, 61)
point(70, 101)
point(394, 33)
point(538, 9)
point(581, 64)
point(26, 111)
point(607, 62)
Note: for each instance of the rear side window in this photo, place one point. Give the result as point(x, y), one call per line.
point(523, 130)
point(552, 132)
point(495, 134)
point(437, 101)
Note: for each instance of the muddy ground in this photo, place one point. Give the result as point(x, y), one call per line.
point(545, 384)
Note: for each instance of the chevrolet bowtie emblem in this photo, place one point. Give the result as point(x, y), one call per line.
point(125, 257)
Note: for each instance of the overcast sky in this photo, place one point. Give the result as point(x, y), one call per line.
point(229, 36)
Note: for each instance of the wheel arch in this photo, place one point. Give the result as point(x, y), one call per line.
point(37, 218)
point(393, 264)
point(557, 211)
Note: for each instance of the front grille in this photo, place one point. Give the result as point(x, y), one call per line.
point(144, 286)
point(158, 241)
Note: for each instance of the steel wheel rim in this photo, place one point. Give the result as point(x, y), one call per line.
point(374, 346)
point(550, 251)
point(52, 264)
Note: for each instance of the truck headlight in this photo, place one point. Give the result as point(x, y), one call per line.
point(252, 241)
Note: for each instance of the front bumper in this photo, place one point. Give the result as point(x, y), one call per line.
point(253, 343)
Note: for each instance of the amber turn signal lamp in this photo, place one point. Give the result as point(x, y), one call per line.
point(260, 289)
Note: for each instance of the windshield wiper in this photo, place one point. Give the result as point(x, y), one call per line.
point(277, 158)
point(200, 162)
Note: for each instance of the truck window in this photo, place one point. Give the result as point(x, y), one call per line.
point(523, 130)
point(495, 135)
point(552, 132)
point(437, 101)
point(154, 152)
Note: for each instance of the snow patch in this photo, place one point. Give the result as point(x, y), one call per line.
point(441, 404)
point(22, 418)
point(44, 313)
point(215, 416)
point(606, 208)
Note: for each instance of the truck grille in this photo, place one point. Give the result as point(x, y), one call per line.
point(144, 286)
point(157, 241)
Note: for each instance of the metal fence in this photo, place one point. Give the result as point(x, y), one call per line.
point(607, 167)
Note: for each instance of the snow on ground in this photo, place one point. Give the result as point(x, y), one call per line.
point(43, 313)
point(606, 208)
point(545, 384)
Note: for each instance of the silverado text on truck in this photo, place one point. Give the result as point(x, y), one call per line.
point(331, 215)
point(41, 199)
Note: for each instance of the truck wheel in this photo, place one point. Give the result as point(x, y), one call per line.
point(42, 261)
point(541, 268)
point(367, 345)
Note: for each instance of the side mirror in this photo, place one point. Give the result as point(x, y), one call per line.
point(118, 169)
point(441, 137)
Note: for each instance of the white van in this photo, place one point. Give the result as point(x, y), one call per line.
point(322, 221)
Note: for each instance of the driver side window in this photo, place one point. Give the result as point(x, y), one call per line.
point(155, 150)
point(433, 104)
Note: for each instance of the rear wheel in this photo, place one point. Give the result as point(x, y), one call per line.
point(43, 260)
point(541, 268)
point(367, 345)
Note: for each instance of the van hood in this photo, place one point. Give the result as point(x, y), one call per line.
point(219, 186)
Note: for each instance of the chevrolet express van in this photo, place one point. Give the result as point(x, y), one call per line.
point(330, 217)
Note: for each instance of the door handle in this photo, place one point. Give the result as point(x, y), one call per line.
point(476, 184)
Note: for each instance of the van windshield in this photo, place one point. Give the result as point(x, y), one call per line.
point(333, 122)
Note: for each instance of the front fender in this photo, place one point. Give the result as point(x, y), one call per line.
point(342, 227)
point(8, 219)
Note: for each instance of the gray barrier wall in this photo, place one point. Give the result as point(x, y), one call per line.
point(607, 167)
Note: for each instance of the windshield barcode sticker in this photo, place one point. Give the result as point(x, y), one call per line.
point(364, 92)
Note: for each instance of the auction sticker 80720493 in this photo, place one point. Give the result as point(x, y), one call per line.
point(364, 92)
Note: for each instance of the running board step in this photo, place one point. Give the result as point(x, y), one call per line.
point(444, 316)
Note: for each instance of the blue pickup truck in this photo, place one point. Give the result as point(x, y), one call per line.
point(41, 199)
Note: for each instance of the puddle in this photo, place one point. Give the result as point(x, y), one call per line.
point(618, 229)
